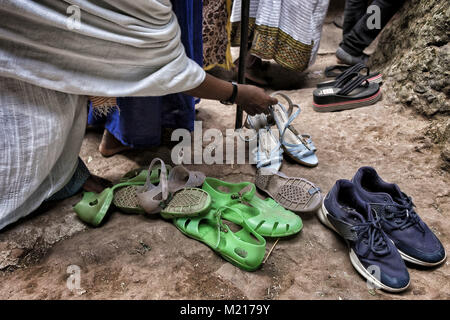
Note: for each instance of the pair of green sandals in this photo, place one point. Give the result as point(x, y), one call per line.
point(203, 214)
point(255, 217)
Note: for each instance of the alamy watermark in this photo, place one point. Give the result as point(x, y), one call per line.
point(374, 20)
point(235, 147)
point(73, 282)
point(375, 271)
point(73, 22)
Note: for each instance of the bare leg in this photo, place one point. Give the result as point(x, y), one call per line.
point(110, 145)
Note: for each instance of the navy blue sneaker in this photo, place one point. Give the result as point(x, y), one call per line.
point(372, 254)
point(399, 220)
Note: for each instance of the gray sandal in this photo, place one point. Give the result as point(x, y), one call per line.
point(174, 196)
point(155, 198)
point(294, 194)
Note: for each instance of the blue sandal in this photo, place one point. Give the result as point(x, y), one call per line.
point(298, 146)
point(268, 154)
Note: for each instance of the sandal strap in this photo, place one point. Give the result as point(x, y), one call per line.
point(346, 76)
point(249, 139)
point(355, 68)
point(290, 120)
point(248, 195)
point(258, 121)
point(224, 228)
point(329, 73)
point(162, 179)
point(179, 173)
point(289, 101)
point(232, 197)
point(305, 142)
point(147, 193)
point(309, 141)
point(221, 227)
point(300, 150)
point(354, 83)
point(268, 162)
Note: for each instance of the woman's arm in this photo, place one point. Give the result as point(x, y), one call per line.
point(252, 99)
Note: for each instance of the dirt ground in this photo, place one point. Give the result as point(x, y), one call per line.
point(136, 257)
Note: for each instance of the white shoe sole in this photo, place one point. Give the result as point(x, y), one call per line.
point(322, 215)
point(419, 262)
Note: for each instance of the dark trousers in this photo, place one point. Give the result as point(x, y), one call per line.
point(357, 35)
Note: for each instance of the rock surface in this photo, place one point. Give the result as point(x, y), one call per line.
point(414, 55)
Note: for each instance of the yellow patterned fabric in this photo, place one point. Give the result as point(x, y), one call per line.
point(287, 31)
point(273, 43)
point(216, 34)
point(103, 101)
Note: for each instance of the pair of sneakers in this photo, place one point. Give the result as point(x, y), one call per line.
point(382, 229)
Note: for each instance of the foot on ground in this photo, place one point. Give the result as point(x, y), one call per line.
point(110, 145)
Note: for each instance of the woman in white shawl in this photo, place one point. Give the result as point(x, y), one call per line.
point(56, 53)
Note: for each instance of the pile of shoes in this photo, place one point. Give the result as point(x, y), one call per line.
point(136, 193)
point(235, 206)
point(209, 214)
point(376, 219)
point(293, 193)
point(381, 228)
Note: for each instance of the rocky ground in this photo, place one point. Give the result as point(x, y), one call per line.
point(136, 257)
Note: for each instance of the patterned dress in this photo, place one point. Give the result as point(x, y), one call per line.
point(216, 34)
point(287, 31)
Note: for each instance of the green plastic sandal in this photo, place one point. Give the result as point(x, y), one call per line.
point(140, 174)
point(188, 202)
point(266, 217)
point(244, 249)
point(93, 207)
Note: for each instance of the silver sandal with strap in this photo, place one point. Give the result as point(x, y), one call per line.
point(297, 146)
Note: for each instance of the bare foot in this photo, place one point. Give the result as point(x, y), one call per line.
point(110, 145)
point(96, 184)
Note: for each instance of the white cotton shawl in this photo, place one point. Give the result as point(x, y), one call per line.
point(121, 48)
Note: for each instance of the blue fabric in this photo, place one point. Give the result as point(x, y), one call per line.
point(139, 120)
point(369, 242)
point(398, 217)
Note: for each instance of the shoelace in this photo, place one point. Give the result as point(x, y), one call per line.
point(376, 240)
point(404, 216)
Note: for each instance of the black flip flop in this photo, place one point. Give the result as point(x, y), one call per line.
point(342, 78)
point(357, 92)
point(330, 73)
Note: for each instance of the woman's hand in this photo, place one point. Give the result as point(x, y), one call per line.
point(254, 100)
